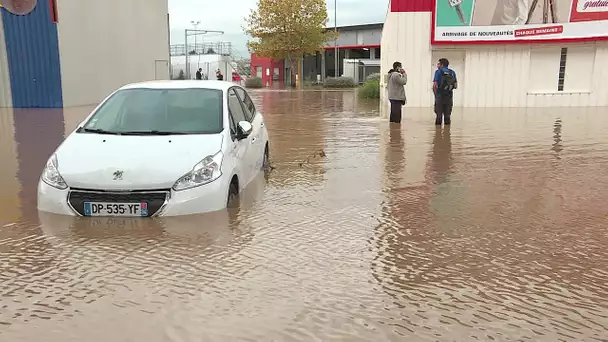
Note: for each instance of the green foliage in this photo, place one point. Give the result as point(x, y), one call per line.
point(288, 29)
point(254, 82)
point(373, 77)
point(370, 89)
point(340, 82)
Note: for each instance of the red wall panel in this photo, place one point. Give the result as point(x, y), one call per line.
point(267, 63)
point(412, 5)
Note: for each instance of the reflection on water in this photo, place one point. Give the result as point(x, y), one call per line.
point(493, 229)
point(557, 138)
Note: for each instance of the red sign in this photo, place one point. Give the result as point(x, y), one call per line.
point(589, 10)
point(53, 8)
point(539, 31)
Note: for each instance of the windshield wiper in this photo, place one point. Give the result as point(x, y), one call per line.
point(153, 132)
point(98, 130)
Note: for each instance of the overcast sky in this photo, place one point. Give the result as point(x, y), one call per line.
point(227, 16)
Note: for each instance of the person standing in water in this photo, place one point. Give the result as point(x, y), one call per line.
point(444, 84)
point(397, 79)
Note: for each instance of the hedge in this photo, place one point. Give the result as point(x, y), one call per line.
point(340, 82)
point(373, 77)
point(254, 82)
point(370, 90)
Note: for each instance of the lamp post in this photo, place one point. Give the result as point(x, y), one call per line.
point(194, 24)
point(337, 69)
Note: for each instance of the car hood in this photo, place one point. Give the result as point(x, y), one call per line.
point(89, 161)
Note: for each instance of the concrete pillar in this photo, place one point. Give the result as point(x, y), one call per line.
point(372, 53)
point(301, 72)
point(323, 67)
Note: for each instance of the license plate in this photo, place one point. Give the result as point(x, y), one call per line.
point(115, 209)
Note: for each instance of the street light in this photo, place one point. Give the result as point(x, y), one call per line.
point(337, 71)
point(195, 24)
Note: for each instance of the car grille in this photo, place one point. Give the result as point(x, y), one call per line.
point(154, 198)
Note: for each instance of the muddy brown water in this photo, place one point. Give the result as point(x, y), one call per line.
point(493, 230)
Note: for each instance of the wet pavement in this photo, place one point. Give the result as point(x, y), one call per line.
point(493, 230)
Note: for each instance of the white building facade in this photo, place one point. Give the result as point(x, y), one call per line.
point(522, 65)
point(62, 53)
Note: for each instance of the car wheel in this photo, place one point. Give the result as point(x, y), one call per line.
point(266, 160)
point(233, 193)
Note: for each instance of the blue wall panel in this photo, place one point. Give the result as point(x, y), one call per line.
point(32, 48)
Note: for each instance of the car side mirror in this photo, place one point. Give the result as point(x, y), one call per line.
point(244, 128)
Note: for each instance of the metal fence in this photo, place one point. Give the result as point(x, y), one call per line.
point(217, 48)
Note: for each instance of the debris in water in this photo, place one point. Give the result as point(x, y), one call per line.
point(317, 153)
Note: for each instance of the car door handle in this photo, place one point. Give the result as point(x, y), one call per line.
point(254, 139)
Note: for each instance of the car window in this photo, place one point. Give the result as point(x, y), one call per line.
point(186, 111)
point(236, 107)
point(115, 104)
point(249, 106)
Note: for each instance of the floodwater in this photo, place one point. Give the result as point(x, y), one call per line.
point(493, 230)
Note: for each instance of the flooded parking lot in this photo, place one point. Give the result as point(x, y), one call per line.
point(494, 229)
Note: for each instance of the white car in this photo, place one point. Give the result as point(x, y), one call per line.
point(161, 148)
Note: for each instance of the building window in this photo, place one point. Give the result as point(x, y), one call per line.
point(378, 53)
point(359, 53)
point(258, 71)
point(562, 69)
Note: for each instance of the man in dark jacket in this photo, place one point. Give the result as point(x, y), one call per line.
point(199, 74)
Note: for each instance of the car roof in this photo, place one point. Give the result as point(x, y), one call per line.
point(181, 84)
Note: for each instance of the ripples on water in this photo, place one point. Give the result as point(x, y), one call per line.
point(494, 229)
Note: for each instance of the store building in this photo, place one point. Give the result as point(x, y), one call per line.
point(501, 62)
point(358, 56)
point(57, 53)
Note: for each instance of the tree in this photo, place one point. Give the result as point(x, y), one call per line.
point(288, 29)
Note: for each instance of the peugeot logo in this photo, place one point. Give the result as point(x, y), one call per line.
point(117, 175)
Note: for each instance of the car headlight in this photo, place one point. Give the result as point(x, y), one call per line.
point(206, 171)
point(51, 175)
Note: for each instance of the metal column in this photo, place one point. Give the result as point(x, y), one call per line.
point(323, 67)
point(337, 72)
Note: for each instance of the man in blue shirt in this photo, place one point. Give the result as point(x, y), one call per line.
point(444, 83)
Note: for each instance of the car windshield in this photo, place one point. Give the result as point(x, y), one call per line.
point(159, 111)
